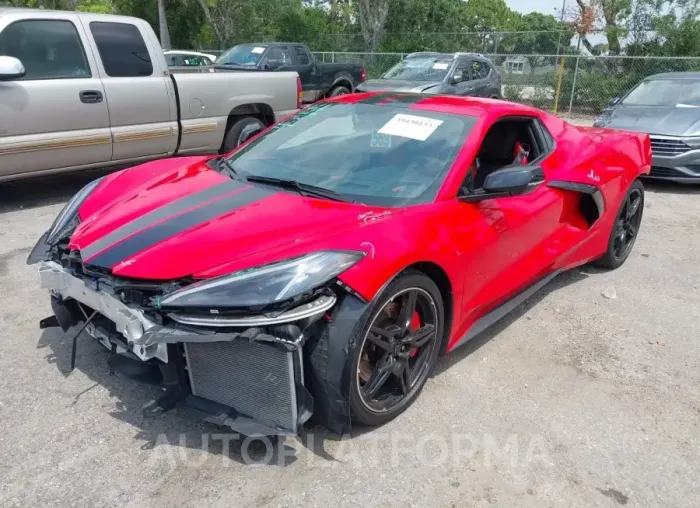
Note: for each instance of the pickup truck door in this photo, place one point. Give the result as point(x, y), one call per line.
point(140, 92)
point(56, 115)
point(305, 65)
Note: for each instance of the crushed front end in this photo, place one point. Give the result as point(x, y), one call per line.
point(242, 366)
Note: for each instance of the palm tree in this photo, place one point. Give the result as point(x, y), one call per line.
point(163, 26)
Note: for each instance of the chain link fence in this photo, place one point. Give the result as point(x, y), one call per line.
point(580, 85)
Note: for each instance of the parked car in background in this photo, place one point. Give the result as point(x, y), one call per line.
point(83, 90)
point(318, 79)
point(440, 73)
point(180, 58)
point(667, 107)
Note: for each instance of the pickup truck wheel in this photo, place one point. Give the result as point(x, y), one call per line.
point(238, 131)
point(338, 90)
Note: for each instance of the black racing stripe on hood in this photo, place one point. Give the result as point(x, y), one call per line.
point(178, 224)
point(160, 214)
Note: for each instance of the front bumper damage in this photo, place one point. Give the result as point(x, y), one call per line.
point(248, 375)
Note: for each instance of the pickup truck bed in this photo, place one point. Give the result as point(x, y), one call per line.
point(85, 90)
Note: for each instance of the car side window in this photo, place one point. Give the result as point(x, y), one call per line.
point(279, 56)
point(48, 49)
point(302, 55)
point(122, 49)
point(480, 70)
point(461, 72)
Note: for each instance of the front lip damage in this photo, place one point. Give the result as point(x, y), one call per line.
point(148, 339)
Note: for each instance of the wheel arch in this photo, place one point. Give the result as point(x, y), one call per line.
point(341, 80)
point(258, 109)
point(439, 276)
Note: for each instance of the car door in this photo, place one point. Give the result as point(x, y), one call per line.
point(307, 70)
point(519, 239)
point(56, 115)
point(480, 78)
point(139, 93)
point(461, 80)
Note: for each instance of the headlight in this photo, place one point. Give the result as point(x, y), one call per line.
point(59, 226)
point(265, 284)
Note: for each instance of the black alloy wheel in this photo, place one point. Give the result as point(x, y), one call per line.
point(398, 350)
point(626, 228)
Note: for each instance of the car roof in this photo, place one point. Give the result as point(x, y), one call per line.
point(459, 105)
point(435, 54)
point(48, 12)
point(678, 75)
point(184, 52)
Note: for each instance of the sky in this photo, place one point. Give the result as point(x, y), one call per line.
point(543, 6)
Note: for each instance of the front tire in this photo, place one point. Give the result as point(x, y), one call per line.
point(398, 341)
point(626, 228)
point(237, 131)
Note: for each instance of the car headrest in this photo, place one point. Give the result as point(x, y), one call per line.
point(499, 143)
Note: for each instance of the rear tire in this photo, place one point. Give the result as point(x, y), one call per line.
point(338, 90)
point(240, 126)
point(625, 229)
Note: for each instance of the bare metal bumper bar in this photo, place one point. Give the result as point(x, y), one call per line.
point(149, 339)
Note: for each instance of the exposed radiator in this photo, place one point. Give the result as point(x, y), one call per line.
point(254, 378)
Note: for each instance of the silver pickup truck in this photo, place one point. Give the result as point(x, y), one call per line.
point(81, 90)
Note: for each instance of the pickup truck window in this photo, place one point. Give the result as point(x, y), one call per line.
point(122, 49)
point(278, 56)
point(302, 56)
point(48, 49)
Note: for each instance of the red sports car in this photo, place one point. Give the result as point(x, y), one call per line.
point(324, 265)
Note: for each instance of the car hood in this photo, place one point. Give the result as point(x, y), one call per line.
point(178, 219)
point(397, 85)
point(669, 121)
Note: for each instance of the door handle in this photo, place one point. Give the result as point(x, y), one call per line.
point(90, 96)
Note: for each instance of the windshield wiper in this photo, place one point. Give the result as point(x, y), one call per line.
point(301, 188)
point(224, 166)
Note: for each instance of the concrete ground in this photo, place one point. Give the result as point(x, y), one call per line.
point(586, 396)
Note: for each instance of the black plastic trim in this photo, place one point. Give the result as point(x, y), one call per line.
point(504, 309)
point(583, 188)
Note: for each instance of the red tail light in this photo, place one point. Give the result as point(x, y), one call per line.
point(363, 75)
point(300, 93)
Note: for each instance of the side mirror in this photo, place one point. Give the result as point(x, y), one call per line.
point(513, 180)
point(11, 68)
point(613, 102)
point(509, 181)
point(273, 65)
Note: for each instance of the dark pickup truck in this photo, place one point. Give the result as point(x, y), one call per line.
point(319, 80)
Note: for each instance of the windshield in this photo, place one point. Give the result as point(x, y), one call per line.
point(420, 69)
point(677, 92)
point(374, 154)
point(243, 54)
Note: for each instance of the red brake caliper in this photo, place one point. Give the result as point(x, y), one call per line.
point(415, 325)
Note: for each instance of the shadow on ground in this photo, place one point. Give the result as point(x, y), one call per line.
point(177, 428)
point(44, 190)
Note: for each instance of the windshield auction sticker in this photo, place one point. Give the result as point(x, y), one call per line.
point(258, 50)
point(411, 126)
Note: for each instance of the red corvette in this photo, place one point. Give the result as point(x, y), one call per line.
point(323, 266)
